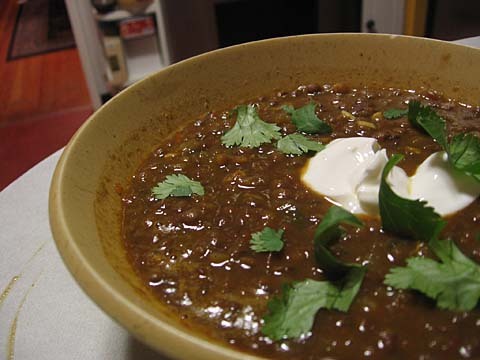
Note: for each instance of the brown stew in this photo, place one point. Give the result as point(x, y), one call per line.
point(194, 252)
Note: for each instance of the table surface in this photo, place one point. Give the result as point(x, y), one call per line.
point(42, 309)
point(43, 312)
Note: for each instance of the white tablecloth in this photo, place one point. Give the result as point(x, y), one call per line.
point(53, 318)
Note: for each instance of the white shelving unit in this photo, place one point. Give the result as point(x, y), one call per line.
point(117, 15)
point(143, 56)
point(190, 23)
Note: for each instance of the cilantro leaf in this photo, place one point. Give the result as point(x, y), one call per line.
point(177, 185)
point(306, 120)
point(328, 231)
point(464, 154)
point(394, 113)
point(413, 110)
point(298, 144)
point(454, 283)
point(446, 251)
point(463, 150)
point(349, 287)
point(292, 314)
point(424, 117)
point(412, 218)
point(267, 240)
point(250, 130)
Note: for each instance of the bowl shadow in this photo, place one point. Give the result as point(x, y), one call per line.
point(139, 351)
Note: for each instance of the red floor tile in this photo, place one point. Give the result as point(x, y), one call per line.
point(24, 143)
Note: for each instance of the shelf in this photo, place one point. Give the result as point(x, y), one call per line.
point(118, 15)
point(142, 57)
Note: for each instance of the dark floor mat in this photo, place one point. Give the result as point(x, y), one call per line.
point(41, 26)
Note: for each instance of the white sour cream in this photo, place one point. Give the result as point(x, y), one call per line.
point(348, 173)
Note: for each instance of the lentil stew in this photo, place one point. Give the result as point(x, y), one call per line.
point(194, 253)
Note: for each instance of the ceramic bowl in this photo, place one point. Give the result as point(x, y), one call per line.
point(85, 205)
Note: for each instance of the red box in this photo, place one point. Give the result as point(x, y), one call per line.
point(137, 27)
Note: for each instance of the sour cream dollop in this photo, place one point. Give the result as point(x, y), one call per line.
point(348, 173)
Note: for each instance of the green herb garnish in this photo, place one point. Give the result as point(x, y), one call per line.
point(177, 185)
point(394, 113)
point(411, 218)
point(249, 130)
point(292, 314)
point(267, 240)
point(464, 154)
point(306, 120)
point(454, 282)
point(298, 144)
point(329, 230)
point(464, 149)
point(424, 117)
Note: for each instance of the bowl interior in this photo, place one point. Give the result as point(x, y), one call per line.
point(85, 198)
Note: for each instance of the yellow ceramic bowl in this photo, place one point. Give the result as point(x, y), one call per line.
point(85, 208)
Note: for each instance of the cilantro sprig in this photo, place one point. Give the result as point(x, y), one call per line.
point(453, 282)
point(177, 185)
point(424, 117)
point(297, 144)
point(411, 218)
point(292, 313)
point(250, 130)
point(328, 231)
point(463, 150)
point(464, 154)
point(267, 240)
point(305, 119)
point(391, 114)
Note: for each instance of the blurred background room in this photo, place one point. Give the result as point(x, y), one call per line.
point(60, 60)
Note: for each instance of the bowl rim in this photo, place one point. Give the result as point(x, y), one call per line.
point(97, 287)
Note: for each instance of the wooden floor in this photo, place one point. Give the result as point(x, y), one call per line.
point(38, 84)
point(43, 100)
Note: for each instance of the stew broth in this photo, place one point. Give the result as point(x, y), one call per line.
point(194, 252)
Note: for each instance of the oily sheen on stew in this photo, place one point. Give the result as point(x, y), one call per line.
point(194, 252)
